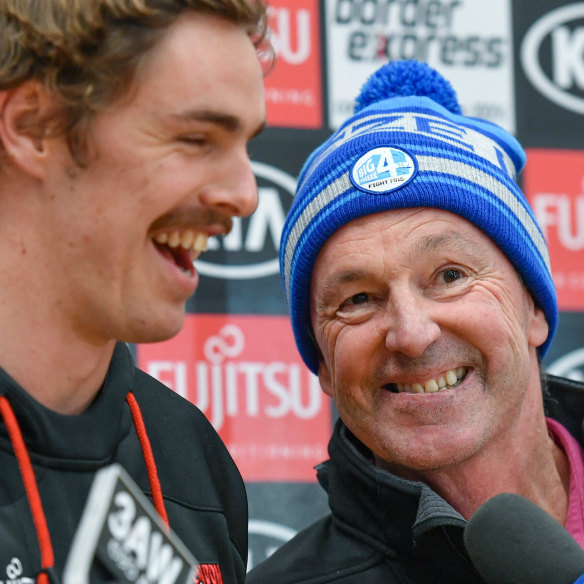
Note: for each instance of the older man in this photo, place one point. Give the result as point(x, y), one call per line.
point(123, 134)
point(420, 293)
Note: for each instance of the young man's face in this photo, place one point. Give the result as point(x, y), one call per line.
point(428, 339)
point(169, 165)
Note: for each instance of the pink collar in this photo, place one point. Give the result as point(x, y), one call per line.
point(575, 517)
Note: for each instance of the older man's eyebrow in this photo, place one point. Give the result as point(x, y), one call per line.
point(228, 122)
point(329, 286)
point(327, 293)
point(451, 239)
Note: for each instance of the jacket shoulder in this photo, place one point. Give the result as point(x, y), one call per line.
point(181, 432)
point(321, 553)
point(157, 399)
point(194, 465)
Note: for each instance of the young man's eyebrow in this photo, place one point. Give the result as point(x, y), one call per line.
point(228, 122)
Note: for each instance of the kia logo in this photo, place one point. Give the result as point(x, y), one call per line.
point(565, 45)
point(265, 538)
point(570, 365)
point(254, 242)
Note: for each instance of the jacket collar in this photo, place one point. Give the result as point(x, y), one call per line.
point(89, 438)
point(385, 508)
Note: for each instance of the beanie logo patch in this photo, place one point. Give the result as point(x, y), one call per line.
point(383, 170)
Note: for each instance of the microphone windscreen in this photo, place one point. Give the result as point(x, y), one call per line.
point(511, 540)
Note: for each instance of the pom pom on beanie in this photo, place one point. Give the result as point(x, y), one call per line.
point(403, 78)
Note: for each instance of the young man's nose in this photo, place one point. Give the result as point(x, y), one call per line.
point(234, 188)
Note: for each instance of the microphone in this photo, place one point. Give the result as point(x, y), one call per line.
point(513, 541)
point(121, 533)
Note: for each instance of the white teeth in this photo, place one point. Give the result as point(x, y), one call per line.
point(173, 239)
point(431, 386)
point(442, 383)
point(200, 242)
point(188, 239)
point(451, 377)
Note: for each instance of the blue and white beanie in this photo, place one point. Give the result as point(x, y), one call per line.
point(408, 145)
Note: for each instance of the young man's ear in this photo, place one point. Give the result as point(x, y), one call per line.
point(25, 114)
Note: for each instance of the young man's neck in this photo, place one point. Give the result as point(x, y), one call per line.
point(64, 376)
point(41, 348)
point(44, 353)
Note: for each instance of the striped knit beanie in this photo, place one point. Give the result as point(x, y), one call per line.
point(408, 145)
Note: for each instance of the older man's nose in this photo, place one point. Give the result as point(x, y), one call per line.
point(410, 328)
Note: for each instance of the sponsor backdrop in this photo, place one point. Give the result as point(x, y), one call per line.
point(518, 63)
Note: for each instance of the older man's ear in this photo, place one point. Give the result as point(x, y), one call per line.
point(538, 329)
point(324, 377)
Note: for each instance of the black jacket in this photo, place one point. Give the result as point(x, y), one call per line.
point(383, 529)
point(203, 491)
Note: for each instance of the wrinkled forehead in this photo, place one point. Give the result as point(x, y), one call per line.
point(423, 228)
point(402, 235)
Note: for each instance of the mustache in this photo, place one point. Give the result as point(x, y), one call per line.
point(195, 218)
point(402, 365)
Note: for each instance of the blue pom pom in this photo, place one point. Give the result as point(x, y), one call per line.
point(405, 78)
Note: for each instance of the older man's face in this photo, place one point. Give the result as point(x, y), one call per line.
point(428, 338)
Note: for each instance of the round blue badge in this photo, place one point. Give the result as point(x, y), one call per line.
point(383, 170)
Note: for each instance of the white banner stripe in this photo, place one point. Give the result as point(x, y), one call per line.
point(493, 185)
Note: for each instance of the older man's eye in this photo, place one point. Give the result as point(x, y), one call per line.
point(452, 274)
point(355, 300)
point(360, 298)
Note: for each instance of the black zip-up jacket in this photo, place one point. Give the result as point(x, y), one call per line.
point(202, 489)
point(386, 530)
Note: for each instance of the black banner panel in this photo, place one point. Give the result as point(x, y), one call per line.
point(549, 73)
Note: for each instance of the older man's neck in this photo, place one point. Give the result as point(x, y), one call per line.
point(538, 470)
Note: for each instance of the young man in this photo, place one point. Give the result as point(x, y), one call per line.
point(123, 131)
point(421, 294)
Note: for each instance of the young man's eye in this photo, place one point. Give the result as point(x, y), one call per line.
point(195, 140)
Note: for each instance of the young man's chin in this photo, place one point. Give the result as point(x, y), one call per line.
point(159, 330)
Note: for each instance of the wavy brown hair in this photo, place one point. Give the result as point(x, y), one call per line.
point(87, 53)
